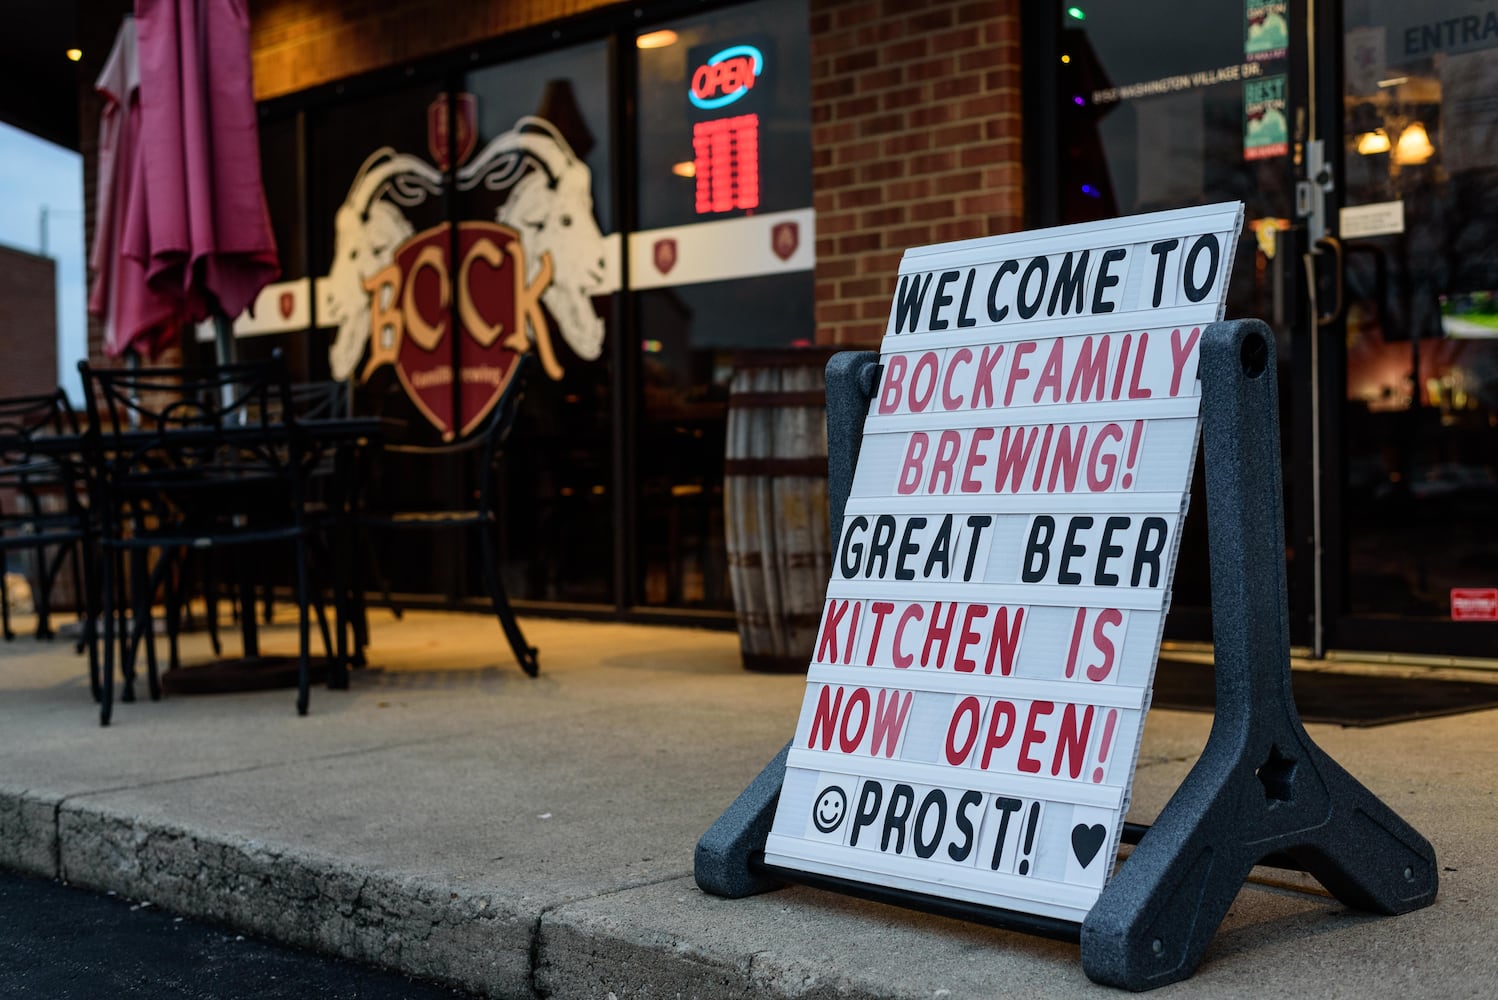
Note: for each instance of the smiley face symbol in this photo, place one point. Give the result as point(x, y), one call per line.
point(830, 808)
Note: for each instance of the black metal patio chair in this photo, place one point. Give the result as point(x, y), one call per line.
point(191, 460)
point(42, 510)
point(383, 510)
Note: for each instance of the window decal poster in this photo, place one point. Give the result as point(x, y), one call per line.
point(1266, 129)
point(1268, 32)
point(975, 700)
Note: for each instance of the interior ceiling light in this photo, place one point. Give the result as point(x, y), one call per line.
point(1373, 142)
point(656, 39)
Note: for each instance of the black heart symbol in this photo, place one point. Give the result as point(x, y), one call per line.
point(1086, 841)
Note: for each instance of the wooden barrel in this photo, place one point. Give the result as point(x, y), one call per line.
point(775, 504)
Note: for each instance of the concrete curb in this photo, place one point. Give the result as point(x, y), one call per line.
point(303, 899)
point(28, 831)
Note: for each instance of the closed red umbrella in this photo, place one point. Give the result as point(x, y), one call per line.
point(135, 315)
point(194, 224)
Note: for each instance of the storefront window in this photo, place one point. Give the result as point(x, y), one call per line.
point(720, 263)
point(541, 166)
point(431, 230)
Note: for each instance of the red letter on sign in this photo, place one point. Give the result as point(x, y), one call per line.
point(1034, 735)
point(915, 460)
point(825, 719)
point(894, 372)
point(889, 719)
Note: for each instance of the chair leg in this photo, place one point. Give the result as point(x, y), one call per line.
point(342, 605)
point(524, 652)
point(86, 564)
point(143, 633)
point(172, 570)
point(210, 601)
point(304, 675)
point(81, 598)
point(106, 614)
point(125, 596)
point(5, 606)
point(41, 601)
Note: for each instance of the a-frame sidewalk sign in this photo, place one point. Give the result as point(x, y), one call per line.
point(1007, 478)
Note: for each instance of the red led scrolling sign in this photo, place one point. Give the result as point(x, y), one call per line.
point(725, 151)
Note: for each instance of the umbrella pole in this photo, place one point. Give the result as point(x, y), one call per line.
point(223, 349)
point(223, 337)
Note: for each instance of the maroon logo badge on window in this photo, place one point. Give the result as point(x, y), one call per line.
point(287, 302)
point(465, 122)
point(784, 239)
point(410, 313)
point(665, 255)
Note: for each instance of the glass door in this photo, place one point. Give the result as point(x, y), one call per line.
point(1159, 105)
point(1414, 559)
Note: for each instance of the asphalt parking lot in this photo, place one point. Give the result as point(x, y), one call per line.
point(61, 943)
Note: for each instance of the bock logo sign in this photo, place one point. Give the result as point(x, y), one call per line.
point(725, 77)
point(979, 683)
point(534, 268)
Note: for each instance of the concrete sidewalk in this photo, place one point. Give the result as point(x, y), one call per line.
point(452, 819)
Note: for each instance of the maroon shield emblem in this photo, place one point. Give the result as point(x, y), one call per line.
point(465, 122)
point(665, 255)
point(494, 305)
point(784, 239)
point(286, 303)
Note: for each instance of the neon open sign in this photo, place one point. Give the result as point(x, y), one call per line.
point(725, 77)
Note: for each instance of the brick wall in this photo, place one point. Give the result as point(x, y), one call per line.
point(915, 140)
point(28, 317)
point(297, 45)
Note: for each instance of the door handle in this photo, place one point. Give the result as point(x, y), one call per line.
point(1332, 245)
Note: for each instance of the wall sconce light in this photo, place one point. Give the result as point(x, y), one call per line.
point(1414, 146)
point(1373, 142)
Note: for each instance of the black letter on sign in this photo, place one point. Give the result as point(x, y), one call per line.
point(1070, 550)
point(855, 549)
point(908, 548)
point(969, 799)
point(1196, 292)
point(963, 319)
point(1105, 280)
point(996, 313)
point(901, 799)
point(940, 550)
point(1159, 250)
point(1042, 530)
point(977, 522)
point(908, 301)
point(1006, 808)
point(942, 298)
point(1028, 309)
point(936, 797)
point(1148, 551)
point(1107, 550)
point(1069, 284)
point(884, 533)
point(870, 797)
